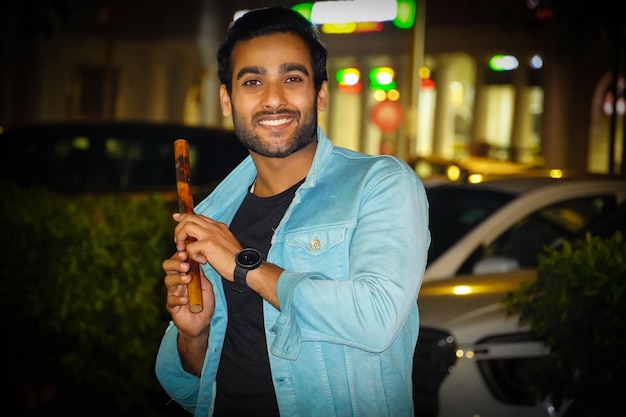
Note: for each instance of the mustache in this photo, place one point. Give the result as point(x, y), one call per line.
point(284, 112)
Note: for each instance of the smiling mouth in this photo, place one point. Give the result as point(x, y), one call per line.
point(275, 122)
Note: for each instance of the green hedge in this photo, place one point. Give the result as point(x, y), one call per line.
point(577, 306)
point(82, 301)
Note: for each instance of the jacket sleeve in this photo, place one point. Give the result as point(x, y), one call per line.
point(365, 305)
point(180, 385)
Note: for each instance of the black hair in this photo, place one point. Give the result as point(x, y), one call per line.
point(267, 21)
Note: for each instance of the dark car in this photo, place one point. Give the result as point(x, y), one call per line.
point(116, 157)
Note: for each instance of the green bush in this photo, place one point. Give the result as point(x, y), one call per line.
point(82, 301)
point(577, 306)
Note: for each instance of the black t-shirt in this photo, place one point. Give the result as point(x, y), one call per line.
point(244, 381)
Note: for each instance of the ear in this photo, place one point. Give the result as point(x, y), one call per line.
point(322, 97)
point(227, 106)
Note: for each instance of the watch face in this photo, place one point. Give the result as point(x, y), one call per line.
point(248, 257)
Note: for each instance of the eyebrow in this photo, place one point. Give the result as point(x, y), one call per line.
point(283, 69)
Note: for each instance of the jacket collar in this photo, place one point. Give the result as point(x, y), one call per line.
point(233, 188)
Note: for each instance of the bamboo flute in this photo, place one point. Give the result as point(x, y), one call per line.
point(185, 205)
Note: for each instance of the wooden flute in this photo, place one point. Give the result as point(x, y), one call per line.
point(185, 205)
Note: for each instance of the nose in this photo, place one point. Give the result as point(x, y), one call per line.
point(274, 97)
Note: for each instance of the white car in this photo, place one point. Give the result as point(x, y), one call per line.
point(472, 359)
point(502, 224)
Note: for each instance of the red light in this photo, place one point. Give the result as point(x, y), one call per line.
point(355, 88)
point(427, 84)
point(362, 27)
point(544, 13)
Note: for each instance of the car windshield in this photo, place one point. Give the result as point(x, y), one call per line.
point(454, 211)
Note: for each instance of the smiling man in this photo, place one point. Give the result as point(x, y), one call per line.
point(312, 255)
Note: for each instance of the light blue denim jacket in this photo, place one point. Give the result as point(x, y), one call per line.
point(353, 244)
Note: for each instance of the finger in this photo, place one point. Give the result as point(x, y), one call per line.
point(174, 301)
point(195, 251)
point(189, 231)
point(173, 267)
point(181, 217)
point(175, 281)
point(176, 264)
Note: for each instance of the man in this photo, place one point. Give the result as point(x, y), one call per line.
point(326, 322)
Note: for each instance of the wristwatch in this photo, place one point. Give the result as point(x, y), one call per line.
point(246, 260)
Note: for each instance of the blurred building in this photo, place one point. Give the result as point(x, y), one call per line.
point(155, 60)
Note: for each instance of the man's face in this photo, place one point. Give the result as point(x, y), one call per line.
point(273, 101)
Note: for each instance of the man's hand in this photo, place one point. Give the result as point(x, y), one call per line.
point(193, 328)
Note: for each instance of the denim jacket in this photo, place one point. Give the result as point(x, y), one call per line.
point(353, 244)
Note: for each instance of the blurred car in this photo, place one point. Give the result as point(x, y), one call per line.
point(502, 224)
point(434, 169)
point(472, 358)
point(116, 157)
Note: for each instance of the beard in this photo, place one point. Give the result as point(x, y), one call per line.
point(305, 134)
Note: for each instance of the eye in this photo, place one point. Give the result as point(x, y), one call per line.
point(293, 79)
point(252, 83)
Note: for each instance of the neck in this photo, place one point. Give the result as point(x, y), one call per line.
point(275, 175)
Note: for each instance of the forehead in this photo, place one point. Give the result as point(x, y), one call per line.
point(271, 51)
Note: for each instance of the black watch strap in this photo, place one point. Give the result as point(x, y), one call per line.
point(240, 275)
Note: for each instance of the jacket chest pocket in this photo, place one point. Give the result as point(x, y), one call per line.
point(322, 250)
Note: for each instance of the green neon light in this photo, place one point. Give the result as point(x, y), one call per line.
point(348, 76)
point(304, 9)
point(503, 63)
point(382, 78)
point(405, 19)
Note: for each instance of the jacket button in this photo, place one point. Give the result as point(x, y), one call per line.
point(315, 244)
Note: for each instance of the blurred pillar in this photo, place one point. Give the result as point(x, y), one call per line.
point(213, 23)
point(521, 116)
point(444, 123)
point(158, 89)
point(109, 88)
point(24, 81)
point(419, 31)
point(554, 141)
point(617, 74)
point(479, 126)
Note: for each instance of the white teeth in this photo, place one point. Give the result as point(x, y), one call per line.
point(273, 122)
